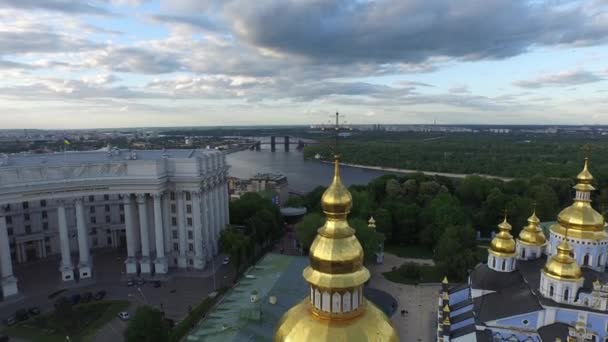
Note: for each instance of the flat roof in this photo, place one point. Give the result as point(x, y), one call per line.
point(78, 157)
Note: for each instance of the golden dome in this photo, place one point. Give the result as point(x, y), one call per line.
point(562, 265)
point(580, 219)
point(336, 274)
point(532, 234)
point(371, 224)
point(503, 244)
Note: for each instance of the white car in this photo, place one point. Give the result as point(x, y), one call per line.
point(123, 316)
point(226, 261)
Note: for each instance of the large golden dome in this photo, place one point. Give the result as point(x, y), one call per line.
point(335, 310)
point(503, 244)
point(532, 235)
point(580, 219)
point(562, 265)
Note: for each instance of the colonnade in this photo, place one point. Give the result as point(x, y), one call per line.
point(197, 240)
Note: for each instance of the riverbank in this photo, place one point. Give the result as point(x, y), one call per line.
point(428, 173)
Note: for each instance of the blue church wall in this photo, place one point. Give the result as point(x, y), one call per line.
point(518, 321)
point(597, 323)
point(462, 310)
point(566, 316)
point(459, 296)
point(463, 323)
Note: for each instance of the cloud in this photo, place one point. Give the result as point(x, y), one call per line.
point(19, 42)
point(560, 79)
point(200, 21)
point(65, 6)
point(459, 89)
point(135, 60)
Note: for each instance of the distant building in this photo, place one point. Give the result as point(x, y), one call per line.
point(263, 182)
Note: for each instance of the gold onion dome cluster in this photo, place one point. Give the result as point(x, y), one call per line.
point(336, 265)
point(503, 243)
point(532, 235)
point(562, 265)
point(580, 219)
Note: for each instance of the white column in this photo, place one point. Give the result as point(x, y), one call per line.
point(160, 264)
point(207, 234)
point(144, 263)
point(225, 202)
point(84, 266)
point(182, 261)
point(216, 212)
point(130, 262)
point(9, 282)
point(212, 218)
point(166, 201)
point(66, 268)
point(197, 226)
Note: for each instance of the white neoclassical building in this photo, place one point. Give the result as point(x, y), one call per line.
point(166, 207)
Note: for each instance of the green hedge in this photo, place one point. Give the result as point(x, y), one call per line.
point(183, 328)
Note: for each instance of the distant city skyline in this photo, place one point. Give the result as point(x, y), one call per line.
point(149, 63)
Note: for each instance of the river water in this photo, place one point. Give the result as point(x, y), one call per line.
point(302, 175)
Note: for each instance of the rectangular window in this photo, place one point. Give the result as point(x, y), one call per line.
point(93, 219)
point(173, 208)
point(191, 247)
point(108, 219)
point(26, 217)
point(176, 247)
point(43, 203)
point(122, 218)
point(172, 196)
point(95, 242)
point(189, 209)
point(121, 206)
point(174, 234)
point(190, 235)
point(109, 241)
point(28, 229)
point(106, 197)
point(9, 231)
point(108, 231)
point(107, 208)
point(94, 231)
point(45, 225)
point(9, 220)
point(92, 210)
point(92, 198)
point(174, 221)
point(188, 196)
point(45, 214)
point(189, 221)
point(26, 205)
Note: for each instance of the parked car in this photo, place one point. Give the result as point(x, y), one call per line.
point(140, 282)
point(75, 299)
point(100, 295)
point(10, 321)
point(87, 297)
point(131, 283)
point(123, 315)
point(226, 261)
point(34, 311)
point(157, 284)
point(4, 338)
point(22, 315)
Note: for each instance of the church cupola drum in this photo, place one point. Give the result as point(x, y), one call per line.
point(501, 254)
point(336, 309)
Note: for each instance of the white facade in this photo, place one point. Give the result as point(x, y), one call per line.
point(501, 263)
point(587, 253)
point(166, 207)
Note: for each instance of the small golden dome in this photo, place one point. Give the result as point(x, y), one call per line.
point(337, 200)
point(503, 244)
point(562, 265)
point(585, 177)
point(532, 234)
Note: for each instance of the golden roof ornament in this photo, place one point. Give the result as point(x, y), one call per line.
point(371, 224)
point(562, 265)
point(503, 244)
point(582, 221)
point(336, 309)
point(532, 234)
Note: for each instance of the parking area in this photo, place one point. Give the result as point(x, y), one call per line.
point(175, 294)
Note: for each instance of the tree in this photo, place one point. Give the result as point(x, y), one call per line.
point(443, 211)
point(368, 238)
point(405, 223)
point(427, 190)
point(384, 222)
point(393, 188)
point(456, 251)
point(147, 325)
point(236, 244)
point(362, 204)
point(409, 189)
point(306, 230)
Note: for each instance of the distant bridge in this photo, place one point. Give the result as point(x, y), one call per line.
point(286, 141)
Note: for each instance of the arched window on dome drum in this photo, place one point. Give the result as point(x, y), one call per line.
point(504, 262)
point(586, 260)
point(336, 303)
point(346, 302)
point(523, 253)
point(566, 293)
point(550, 290)
point(493, 262)
point(317, 299)
point(326, 302)
point(355, 299)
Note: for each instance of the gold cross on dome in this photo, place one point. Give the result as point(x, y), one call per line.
point(587, 150)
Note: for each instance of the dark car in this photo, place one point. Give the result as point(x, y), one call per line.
point(34, 311)
point(22, 315)
point(10, 321)
point(130, 283)
point(170, 323)
point(157, 284)
point(75, 299)
point(86, 297)
point(100, 295)
point(140, 282)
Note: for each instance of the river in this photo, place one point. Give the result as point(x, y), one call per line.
point(302, 175)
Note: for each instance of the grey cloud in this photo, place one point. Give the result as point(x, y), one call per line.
point(562, 79)
point(34, 41)
point(66, 6)
point(459, 89)
point(136, 60)
point(345, 31)
point(201, 22)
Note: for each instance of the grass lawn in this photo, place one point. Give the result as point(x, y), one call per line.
point(410, 273)
point(92, 316)
point(417, 252)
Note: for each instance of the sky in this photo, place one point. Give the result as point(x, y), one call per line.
point(144, 63)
